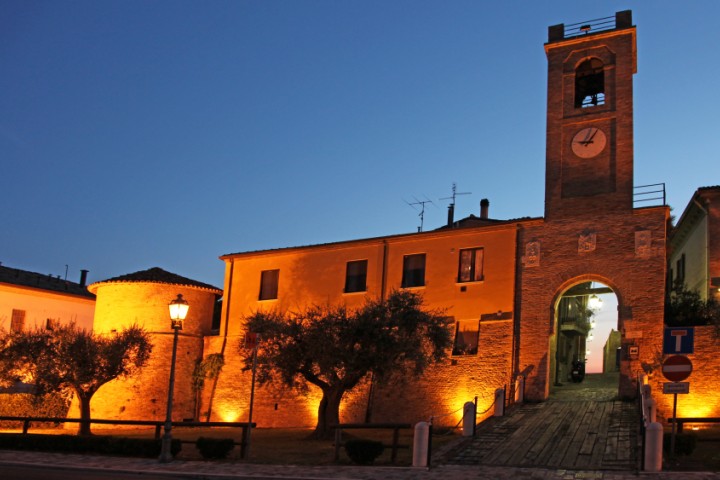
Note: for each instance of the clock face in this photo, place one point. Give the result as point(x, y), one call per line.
point(589, 142)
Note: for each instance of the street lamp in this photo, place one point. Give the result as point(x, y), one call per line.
point(178, 311)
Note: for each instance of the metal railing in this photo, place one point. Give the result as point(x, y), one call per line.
point(652, 195)
point(590, 26)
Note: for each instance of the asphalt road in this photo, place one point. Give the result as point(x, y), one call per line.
point(22, 472)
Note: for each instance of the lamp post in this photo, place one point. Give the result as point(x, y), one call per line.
point(178, 311)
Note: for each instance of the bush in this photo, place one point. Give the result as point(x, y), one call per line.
point(29, 405)
point(214, 447)
point(684, 443)
point(363, 452)
point(101, 444)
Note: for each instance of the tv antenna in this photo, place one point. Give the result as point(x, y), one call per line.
point(455, 193)
point(422, 210)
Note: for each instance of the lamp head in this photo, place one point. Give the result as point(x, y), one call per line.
point(178, 311)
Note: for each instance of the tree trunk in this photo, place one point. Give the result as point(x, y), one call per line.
point(328, 413)
point(84, 415)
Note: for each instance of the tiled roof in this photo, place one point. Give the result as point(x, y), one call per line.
point(157, 275)
point(15, 276)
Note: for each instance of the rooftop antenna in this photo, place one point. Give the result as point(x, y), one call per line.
point(451, 207)
point(422, 210)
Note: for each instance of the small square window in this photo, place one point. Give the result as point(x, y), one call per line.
point(18, 320)
point(471, 265)
point(269, 284)
point(467, 334)
point(413, 270)
point(356, 276)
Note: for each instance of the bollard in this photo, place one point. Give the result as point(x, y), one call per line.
point(651, 407)
point(499, 402)
point(468, 419)
point(653, 447)
point(520, 389)
point(420, 444)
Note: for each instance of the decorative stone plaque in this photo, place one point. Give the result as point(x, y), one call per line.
point(532, 254)
point(586, 242)
point(643, 243)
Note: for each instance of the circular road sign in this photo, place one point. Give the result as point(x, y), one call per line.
point(677, 368)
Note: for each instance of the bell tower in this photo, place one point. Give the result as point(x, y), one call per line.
point(589, 150)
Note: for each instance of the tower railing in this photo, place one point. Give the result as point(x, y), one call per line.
point(562, 32)
point(652, 195)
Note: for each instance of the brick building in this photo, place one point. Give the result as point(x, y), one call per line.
point(517, 291)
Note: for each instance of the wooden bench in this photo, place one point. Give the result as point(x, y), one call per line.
point(395, 427)
point(681, 421)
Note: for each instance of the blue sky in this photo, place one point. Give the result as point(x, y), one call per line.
point(162, 133)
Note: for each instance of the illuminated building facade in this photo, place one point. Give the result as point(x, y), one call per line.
point(507, 285)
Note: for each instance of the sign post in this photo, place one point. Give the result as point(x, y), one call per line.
point(676, 369)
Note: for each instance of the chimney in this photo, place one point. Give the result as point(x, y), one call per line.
point(484, 206)
point(83, 277)
point(451, 214)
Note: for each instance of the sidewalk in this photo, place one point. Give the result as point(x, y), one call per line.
point(220, 470)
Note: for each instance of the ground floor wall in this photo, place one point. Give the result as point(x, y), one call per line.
point(439, 393)
point(703, 399)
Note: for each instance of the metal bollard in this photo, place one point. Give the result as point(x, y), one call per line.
point(520, 389)
point(468, 419)
point(653, 447)
point(420, 444)
point(499, 402)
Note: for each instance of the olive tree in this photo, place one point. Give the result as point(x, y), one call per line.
point(68, 358)
point(334, 348)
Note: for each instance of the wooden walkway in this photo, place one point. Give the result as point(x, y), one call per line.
point(559, 433)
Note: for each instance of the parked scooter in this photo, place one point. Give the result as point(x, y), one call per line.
point(578, 371)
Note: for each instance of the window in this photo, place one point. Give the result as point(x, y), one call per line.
point(589, 84)
point(269, 284)
point(18, 320)
point(471, 265)
point(680, 267)
point(51, 324)
point(467, 334)
point(356, 276)
point(413, 270)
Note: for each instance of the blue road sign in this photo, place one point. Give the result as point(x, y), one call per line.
point(679, 340)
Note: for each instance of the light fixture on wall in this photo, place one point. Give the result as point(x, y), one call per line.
point(178, 311)
point(594, 302)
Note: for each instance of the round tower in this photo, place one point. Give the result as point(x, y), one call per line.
point(142, 298)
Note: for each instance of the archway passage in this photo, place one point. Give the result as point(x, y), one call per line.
point(585, 349)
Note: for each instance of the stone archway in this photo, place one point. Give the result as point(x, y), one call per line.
point(585, 336)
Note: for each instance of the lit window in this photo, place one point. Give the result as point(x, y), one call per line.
point(269, 284)
point(471, 265)
point(356, 276)
point(413, 270)
point(467, 334)
point(18, 320)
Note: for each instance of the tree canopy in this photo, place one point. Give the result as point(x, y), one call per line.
point(685, 307)
point(334, 348)
point(68, 358)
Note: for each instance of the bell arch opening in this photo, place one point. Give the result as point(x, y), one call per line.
point(590, 83)
point(585, 347)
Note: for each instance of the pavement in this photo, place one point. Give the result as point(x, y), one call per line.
point(238, 470)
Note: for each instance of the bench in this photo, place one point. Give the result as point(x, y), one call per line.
point(681, 421)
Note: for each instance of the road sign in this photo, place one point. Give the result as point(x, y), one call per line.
point(677, 368)
point(679, 340)
point(676, 387)
point(251, 340)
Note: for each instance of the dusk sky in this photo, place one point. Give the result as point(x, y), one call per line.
point(136, 134)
